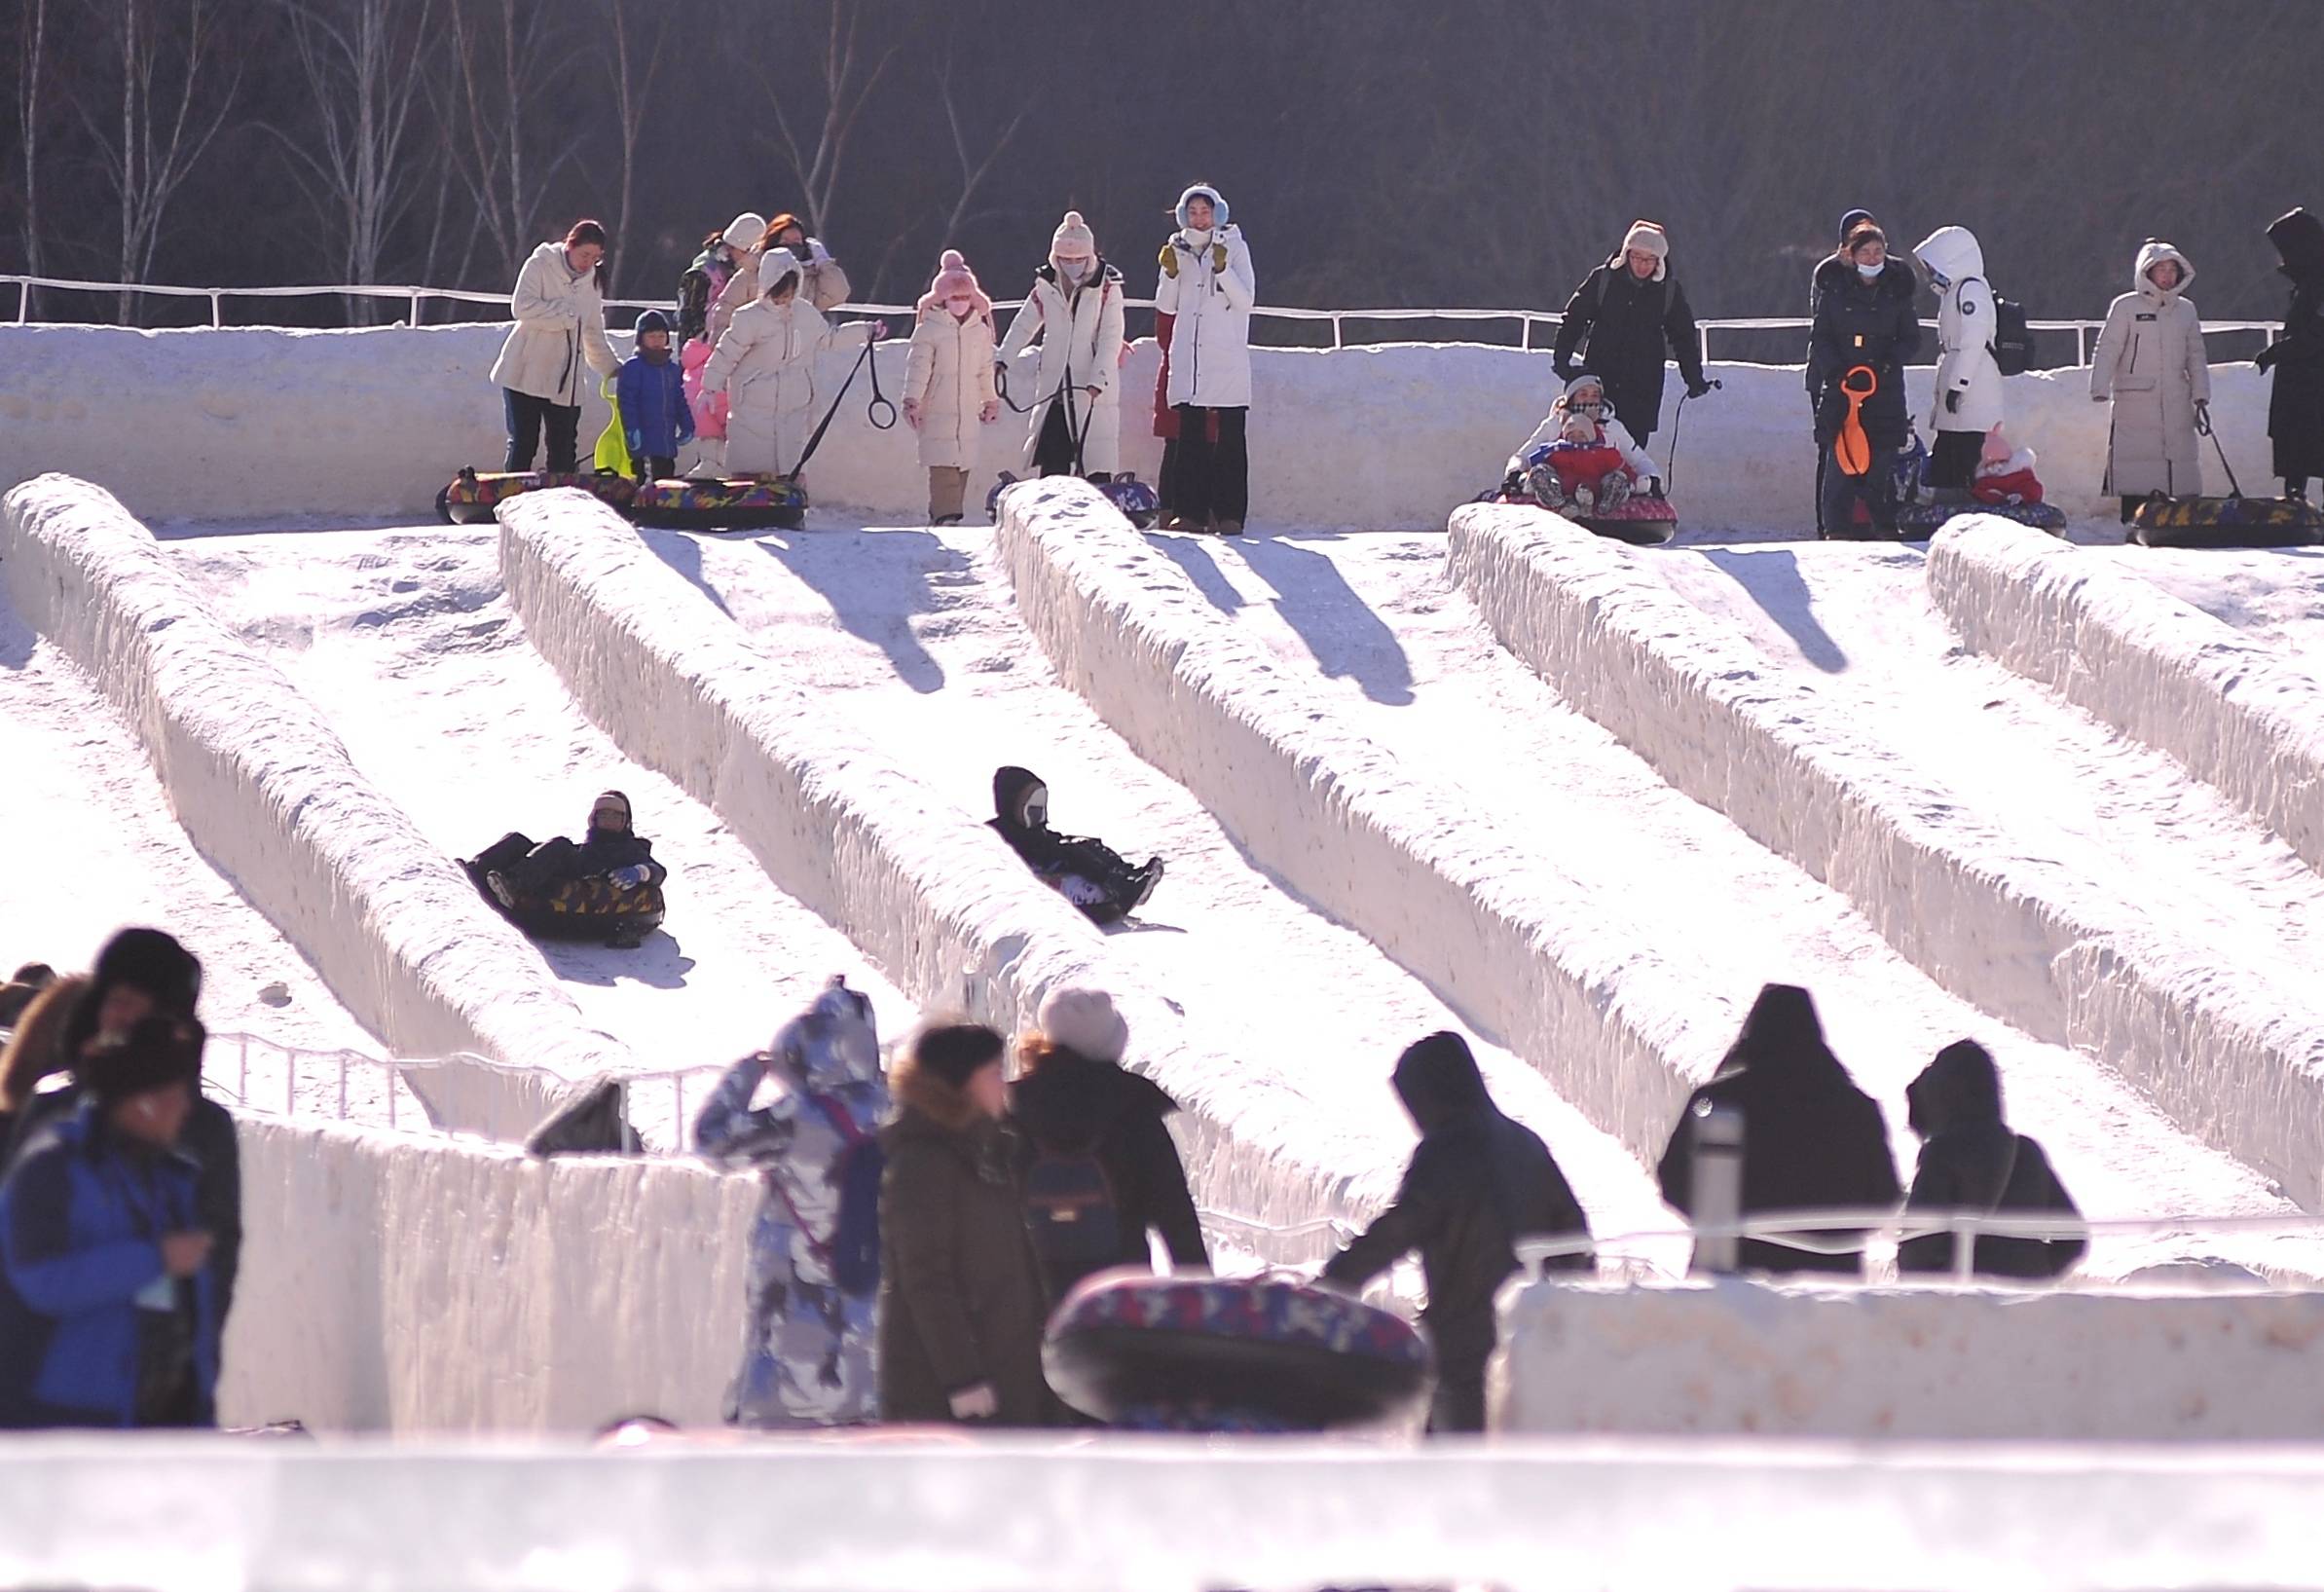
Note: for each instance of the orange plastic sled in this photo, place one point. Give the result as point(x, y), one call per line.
point(1852, 450)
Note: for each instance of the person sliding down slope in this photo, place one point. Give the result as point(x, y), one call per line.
point(814, 1282)
point(1086, 871)
point(1578, 444)
point(515, 872)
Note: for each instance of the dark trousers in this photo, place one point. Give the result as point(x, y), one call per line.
point(1876, 489)
point(1054, 452)
point(1953, 462)
point(1214, 478)
point(653, 466)
point(527, 415)
point(1165, 486)
point(1458, 1405)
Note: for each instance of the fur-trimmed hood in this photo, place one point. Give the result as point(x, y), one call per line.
point(942, 1110)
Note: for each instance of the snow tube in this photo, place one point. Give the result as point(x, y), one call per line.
point(745, 502)
point(584, 909)
point(473, 495)
point(1641, 521)
point(2226, 522)
point(1231, 1353)
point(1918, 522)
point(1138, 503)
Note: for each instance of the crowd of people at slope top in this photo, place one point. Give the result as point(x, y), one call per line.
point(753, 318)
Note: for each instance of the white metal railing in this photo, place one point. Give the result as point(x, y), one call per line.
point(1526, 319)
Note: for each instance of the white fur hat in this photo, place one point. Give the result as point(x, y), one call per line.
point(1085, 1022)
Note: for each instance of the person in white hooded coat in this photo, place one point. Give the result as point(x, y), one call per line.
point(1969, 388)
point(765, 364)
point(1208, 284)
point(560, 327)
point(1075, 309)
point(827, 284)
point(949, 391)
point(2150, 364)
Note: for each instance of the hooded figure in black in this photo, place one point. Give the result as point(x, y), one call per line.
point(2296, 410)
point(1811, 1141)
point(146, 973)
point(1971, 1161)
point(1477, 1184)
point(1864, 319)
point(1620, 321)
point(1080, 1110)
point(1085, 871)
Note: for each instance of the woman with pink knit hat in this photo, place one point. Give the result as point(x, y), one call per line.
point(1075, 309)
point(948, 389)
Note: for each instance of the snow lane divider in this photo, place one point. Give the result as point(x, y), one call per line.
point(2130, 654)
point(266, 790)
point(1523, 953)
point(929, 893)
point(2067, 959)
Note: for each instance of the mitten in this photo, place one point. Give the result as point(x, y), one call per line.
point(1170, 260)
point(1218, 257)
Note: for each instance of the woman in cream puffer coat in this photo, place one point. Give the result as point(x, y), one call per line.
point(2150, 365)
point(765, 364)
point(948, 393)
point(560, 327)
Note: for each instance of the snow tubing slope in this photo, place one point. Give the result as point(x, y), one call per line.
point(1516, 948)
point(266, 788)
point(2067, 959)
point(928, 892)
point(2133, 656)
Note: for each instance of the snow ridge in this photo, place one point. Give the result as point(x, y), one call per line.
point(2132, 655)
point(266, 791)
point(930, 894)
point(1516, 948)
point(2067, 959)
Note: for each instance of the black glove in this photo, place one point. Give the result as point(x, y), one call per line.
point(1513, 484)
point(1952, 402)
point(2267, 357)
point(1698, 387)
point(1653, 484)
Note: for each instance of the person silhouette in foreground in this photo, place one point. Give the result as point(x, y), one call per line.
point(1086, 871)
point(1971, 1160)
point(1477, 1184)
point(1811, 1141)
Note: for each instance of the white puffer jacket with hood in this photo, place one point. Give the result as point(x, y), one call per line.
point(1964, 332)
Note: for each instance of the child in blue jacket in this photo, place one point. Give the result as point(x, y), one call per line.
point(655, 412)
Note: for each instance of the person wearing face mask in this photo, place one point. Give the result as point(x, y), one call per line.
point(949, 391)
point(2150, 364)
point(822, 283)
point(765, 364)
point(1208, 286)
point(1866, 329)
point(559, 311)
point(1075, 309)
point(1621, 318)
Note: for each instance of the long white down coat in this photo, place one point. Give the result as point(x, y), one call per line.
point(765, 365)
point(559, 327)
point(1964, 332)
point(826, 286)
point(1210, 350)
point(950, 376)
point(1081, 348)
point(2149, 361)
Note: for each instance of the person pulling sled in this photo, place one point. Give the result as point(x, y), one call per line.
point(1085, 871)
point(606, 887)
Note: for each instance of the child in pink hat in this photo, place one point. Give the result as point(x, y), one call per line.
point(949, 389)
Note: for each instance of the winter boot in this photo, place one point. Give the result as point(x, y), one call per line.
point(1548, 491)
point(1142, 882)
point(1227, 528)
point(1615, 492)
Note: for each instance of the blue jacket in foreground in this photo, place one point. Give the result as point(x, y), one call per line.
point(82, 1216)
point(654, 411)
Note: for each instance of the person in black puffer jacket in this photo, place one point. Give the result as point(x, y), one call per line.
point(1621, 318)
point(1081, 1111)
point(1864, 318)
point(2296, 408)
point(1971, 1160)
point(520, 878)
point(1085, 871)
point(1812, 1139)
point(1476, 1185)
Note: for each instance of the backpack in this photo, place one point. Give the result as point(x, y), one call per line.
point(2013, 342)
point(853, 1252)
point(1070, 1209)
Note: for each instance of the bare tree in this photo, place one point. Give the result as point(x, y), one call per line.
point(510, 60)
point(825, 100)
point(633, 92)
point(355, 150)
point(32, 38)
point(178, 76)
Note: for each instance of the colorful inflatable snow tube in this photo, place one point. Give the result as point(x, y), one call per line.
point(745, 502)
point(2226, 522)
point(473, 495)
point(1644, 521)
point(1918, 522)
point(1202, 1353)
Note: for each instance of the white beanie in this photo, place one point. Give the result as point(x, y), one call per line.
point(1648, 236)
point(1072, 237)
point(1085, 1022)
point(745, 229)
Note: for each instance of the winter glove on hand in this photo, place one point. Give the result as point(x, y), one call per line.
point(2202, 416)
point(978, 1403)
point(636, 440)
point(2267, 357)
point(912, 412)
point(1218, 258)
point(1953, 403)
point(1170, 260)
point(1651, 486)
point(1698, 389)
point(990, 412)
